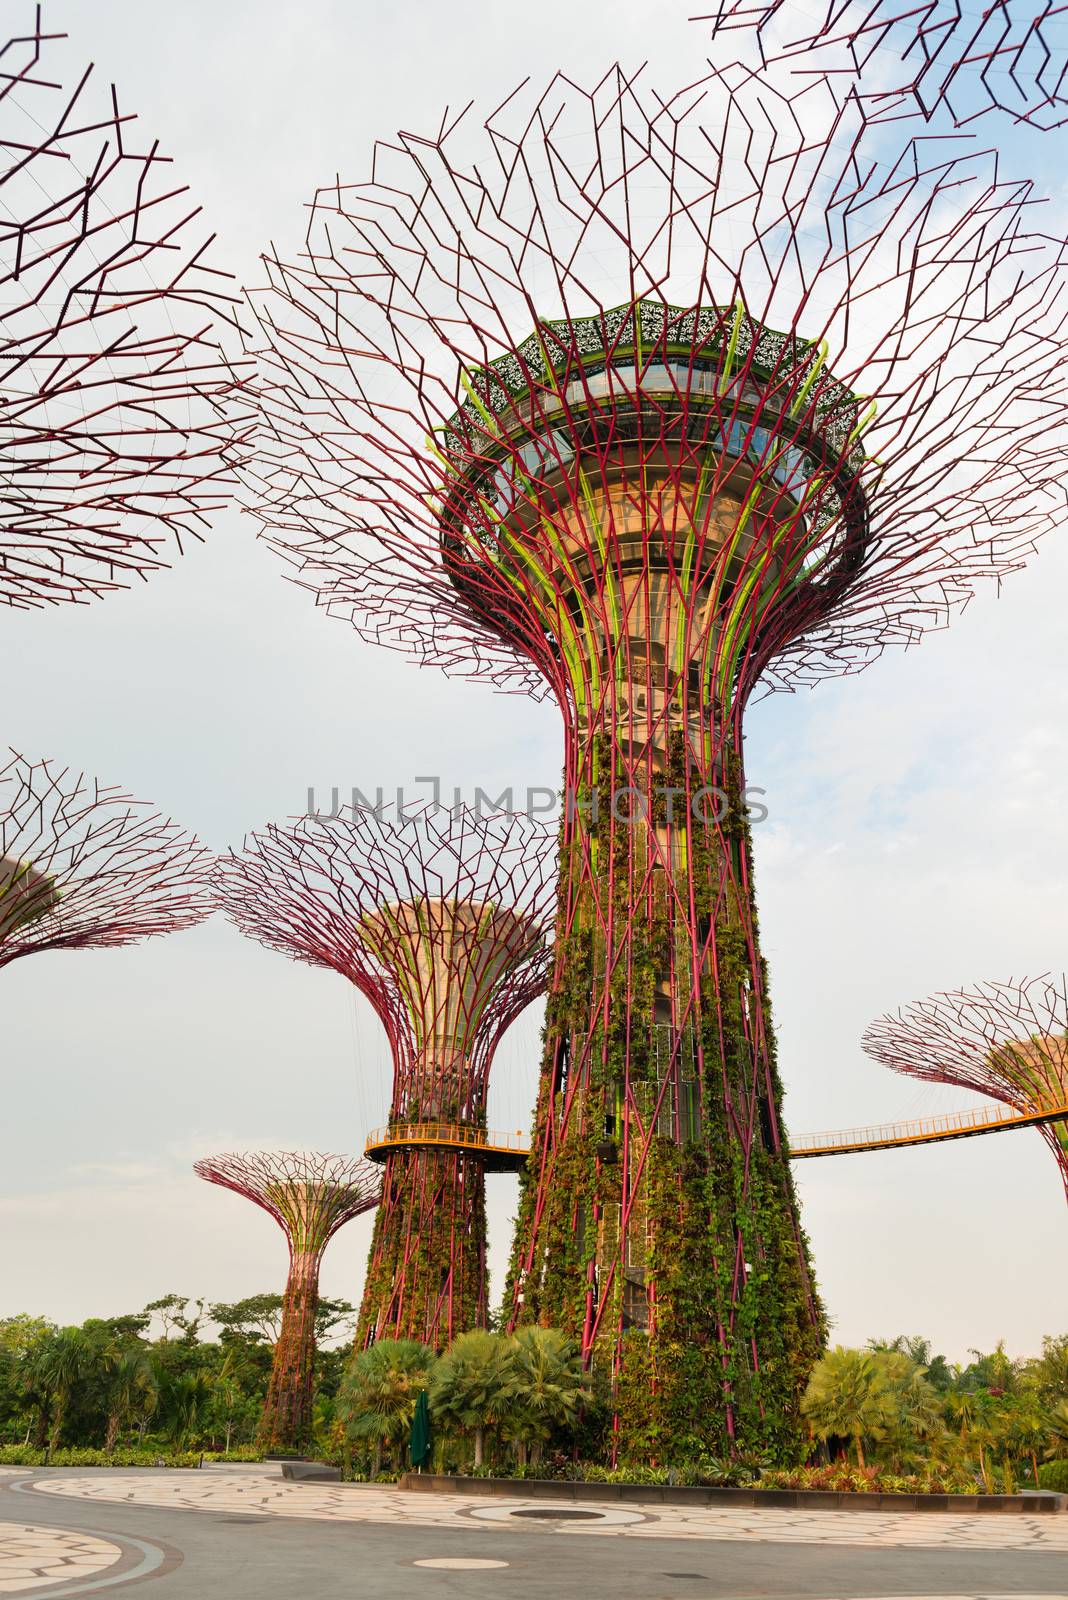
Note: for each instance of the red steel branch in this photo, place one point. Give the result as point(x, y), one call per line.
point(439, 918)
point(83, 865)
point(1005, 1040)
point(648, 403)
point(310, 1196)
point(929, 57)
point(120, 415)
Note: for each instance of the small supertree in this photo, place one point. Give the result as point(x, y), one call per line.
point(1006, 1040)
point(83, 865)
point(439, 918)
point(120, 416)
point(310, 1196)
point(650, 403)
point(931, 58)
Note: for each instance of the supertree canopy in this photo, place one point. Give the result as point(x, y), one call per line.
point(644, 402)
point(310, 1197)
point(1005, 1040)
point(82, 864)
point(931, 58)
point(120, 416)
point(439, 918)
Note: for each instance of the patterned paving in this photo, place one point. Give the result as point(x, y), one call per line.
point(269, 1496)
point(32, 1557)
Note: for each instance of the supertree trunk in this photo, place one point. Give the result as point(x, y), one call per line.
point(426, 1276)
point(288, 1412)
point(658, 1222)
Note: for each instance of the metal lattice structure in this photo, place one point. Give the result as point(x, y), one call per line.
point(310, 1196)
point(930, 59)
point(439, 918)
point(647, 403)
point(121, 417)
point(1005, 1040)
point(84, 865)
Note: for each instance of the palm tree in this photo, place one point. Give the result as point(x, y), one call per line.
point(545, 1387)
point(849, 1397)
point(63, 1361)
point(377, 1398)
point(469, 1385)
point(184, 1401)
point(131, 1389)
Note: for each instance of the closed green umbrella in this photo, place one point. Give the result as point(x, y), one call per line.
point(420, 1440)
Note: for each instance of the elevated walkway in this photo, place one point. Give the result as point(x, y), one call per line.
point(507, 1152)
point(923, 1130)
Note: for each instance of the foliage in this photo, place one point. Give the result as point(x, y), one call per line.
point(1054, 1475)
point(378, 1394)
point(843, 1477)
point(18, 1455)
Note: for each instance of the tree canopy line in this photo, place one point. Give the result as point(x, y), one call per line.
point(152, 1385)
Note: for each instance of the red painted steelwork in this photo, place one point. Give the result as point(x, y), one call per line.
point(84, 865)
point(1006, 1040)
point(121, 417)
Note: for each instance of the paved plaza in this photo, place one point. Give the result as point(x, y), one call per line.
point(246, 1533)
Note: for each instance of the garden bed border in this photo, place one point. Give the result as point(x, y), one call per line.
point(1035, 1502)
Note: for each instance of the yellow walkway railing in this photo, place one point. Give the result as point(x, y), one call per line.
point(923, 1130)
point(502, 1150)
point(508, 1151)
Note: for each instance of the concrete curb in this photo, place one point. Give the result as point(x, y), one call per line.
point(1036, 1503)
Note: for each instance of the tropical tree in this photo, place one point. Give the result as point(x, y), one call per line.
point(377, 1398)
point(544, 1390)
point(62, 1362)
point(471, 1384)
point(131, 1388)
point(849, 1397)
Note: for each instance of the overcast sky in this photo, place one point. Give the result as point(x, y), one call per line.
point(916, 837)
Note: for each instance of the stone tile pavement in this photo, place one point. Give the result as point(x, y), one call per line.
point(267, 1495)
point(32, 1557)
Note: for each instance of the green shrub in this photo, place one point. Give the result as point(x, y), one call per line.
point(239, 1452)
point(17, 1455)
point(1054, 1475)
point(842, 1477)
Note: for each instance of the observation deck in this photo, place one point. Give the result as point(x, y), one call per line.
point(508, 1152)
point(496, 1152)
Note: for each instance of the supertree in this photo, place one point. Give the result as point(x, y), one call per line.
point(120, 415)
point(930, 58)
point(439, 918)
point(1005, 1040)
point(786, 399)
point(310, 1196)
point(83, 865)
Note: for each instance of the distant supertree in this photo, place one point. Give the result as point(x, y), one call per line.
point(120, 418)
point(648, 403)
point(930, 57)
point(1005, 1040)
point(310, 1197)
point(440, 920)
point(83, 865)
